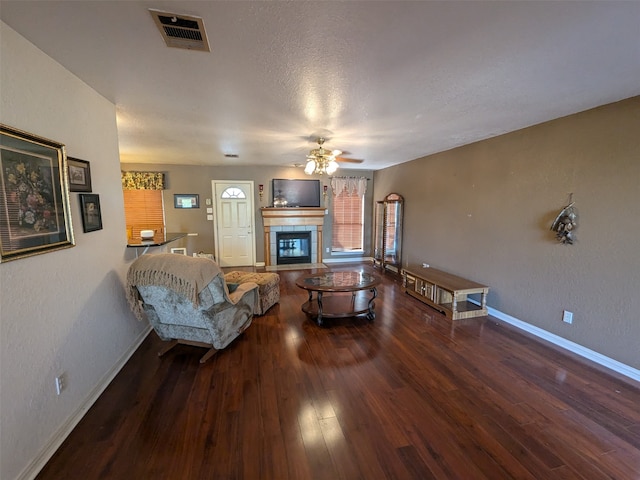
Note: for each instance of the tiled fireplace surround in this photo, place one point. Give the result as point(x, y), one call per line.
point(309, 219)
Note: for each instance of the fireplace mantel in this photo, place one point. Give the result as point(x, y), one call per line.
point(292, 217)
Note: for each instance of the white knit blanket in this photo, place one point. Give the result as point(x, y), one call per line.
point(187, 276)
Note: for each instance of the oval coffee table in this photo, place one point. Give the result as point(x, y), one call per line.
point(339, 306)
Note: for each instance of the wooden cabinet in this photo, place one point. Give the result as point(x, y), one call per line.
point(388, 232)
point(445, 292)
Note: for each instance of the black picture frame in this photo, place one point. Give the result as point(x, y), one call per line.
point(191, 200)
point(79, 173)
point(90, 211)
point(35, 214)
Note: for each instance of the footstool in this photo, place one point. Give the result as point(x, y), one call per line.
point(268, 287)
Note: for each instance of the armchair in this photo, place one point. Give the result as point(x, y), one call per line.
point(186, 300)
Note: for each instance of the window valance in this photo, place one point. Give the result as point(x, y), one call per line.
point(142, 181)
point(351, 185)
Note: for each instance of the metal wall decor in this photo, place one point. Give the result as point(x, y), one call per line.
point(565, 223)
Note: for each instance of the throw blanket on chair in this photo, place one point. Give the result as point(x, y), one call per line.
point(187, 276)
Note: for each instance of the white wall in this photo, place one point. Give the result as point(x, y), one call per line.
point(64, 311)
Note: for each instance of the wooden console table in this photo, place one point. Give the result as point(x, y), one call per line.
point(445, 292)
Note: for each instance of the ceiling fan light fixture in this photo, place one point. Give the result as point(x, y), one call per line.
point(310, 167)
point(321, 161)
point(332, 167)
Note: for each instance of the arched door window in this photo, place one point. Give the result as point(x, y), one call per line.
point(233, 192)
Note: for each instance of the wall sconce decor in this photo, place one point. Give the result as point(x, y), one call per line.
point(324, 190)
point(261, 191)
point(565, 223)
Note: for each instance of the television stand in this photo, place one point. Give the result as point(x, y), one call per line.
point(445, 292)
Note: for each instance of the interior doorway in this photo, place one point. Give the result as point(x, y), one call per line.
point(233, 223)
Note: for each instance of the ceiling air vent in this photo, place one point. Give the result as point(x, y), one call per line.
point(181, 31)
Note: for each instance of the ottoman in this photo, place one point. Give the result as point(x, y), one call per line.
point(268, 287)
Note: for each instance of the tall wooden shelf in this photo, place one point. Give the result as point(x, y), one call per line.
point(445, 292)
point(388, 232)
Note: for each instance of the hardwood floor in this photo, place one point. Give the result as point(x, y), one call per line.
point(409, 396)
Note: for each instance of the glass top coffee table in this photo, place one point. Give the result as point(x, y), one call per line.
point(339, 306)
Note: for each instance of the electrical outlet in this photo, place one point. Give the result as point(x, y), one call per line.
point(327, 250)
point(567, 316)
point(60, 384)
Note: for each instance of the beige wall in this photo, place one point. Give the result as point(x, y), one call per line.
point(483, 211)
point(64, 311)
point(197, 179)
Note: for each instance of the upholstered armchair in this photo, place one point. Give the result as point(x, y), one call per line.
point(186, 300)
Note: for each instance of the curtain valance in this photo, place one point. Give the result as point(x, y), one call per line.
point(142, 181)
point(351, 185)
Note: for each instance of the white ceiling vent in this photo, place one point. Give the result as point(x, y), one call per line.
point(181, 31)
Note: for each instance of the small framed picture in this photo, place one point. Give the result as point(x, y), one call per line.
point(186, 201)
point(79, 175)
point(90, 210)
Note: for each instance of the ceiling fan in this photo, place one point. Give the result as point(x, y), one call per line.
point(320, 160)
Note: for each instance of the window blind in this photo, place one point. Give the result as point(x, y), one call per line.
point(348, 216)
point(143, 210)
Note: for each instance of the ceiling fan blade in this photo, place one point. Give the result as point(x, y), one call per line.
point(349, 160)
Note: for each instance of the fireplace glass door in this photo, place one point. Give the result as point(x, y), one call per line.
point(293, 247)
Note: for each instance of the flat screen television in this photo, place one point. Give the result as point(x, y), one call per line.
point(296, 193)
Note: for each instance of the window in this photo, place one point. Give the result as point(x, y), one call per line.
point(143, 210)
point(348, 222)
point(233, 192)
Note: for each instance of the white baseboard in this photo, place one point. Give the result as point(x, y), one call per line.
point(259, 264)
point(347, 260)
point(576, 348)
point(38, 463)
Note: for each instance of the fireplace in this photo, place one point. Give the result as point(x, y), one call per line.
point(293, 247)
point(287, 220)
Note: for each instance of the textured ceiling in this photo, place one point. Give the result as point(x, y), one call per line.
point(387, 82)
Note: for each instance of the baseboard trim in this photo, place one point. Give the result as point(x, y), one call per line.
point(347, 260)
point(38, 463)
point(610, 363)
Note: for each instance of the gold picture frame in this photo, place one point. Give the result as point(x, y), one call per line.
point(35, 215)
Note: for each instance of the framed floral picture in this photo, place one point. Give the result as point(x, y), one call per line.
point(34, 195)
point(90, 210)
point(79, 175)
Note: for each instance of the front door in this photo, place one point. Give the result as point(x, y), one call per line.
point(233, 223)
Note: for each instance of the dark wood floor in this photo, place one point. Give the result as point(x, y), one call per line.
point(412, 395)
